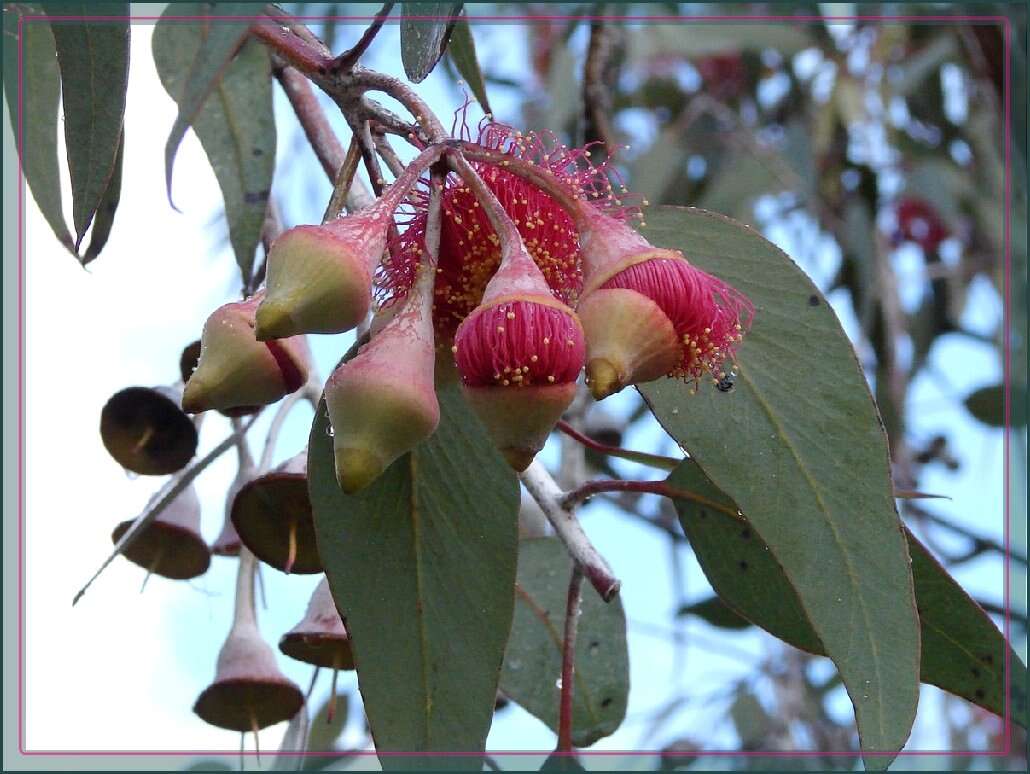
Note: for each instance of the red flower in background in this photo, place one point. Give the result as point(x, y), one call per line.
point(469, 249)
point(724, 75)
point(919, 222)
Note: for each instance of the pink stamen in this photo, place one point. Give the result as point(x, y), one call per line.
point(519, 344)
point(710, 317)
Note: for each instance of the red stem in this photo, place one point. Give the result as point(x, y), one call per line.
point(349, 58)
point(297, 51)
point(568, 664)
point(313, 120)
point(590, 488)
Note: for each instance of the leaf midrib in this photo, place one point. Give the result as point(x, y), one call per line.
point(848, 562)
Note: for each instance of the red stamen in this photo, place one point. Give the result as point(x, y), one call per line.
point(518, 344)
point(709, 316)
point(469, 249)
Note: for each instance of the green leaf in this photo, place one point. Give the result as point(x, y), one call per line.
point(94, 60)
point(40, 96)
point(716, 612)
point(737, 562)
point(962, 650)
point(104, 220)
point(798, 445)
point(422, 564)
point(228, 102)
point(987, 404)
point(462, 51)
point(423, 40)
point(533, 661)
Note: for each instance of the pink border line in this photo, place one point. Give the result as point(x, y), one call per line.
point(1006, 316)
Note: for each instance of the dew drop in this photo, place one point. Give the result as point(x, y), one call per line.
point(557, 683)
point(594, 649)
point(514, 665)
point(131, 475)
point(675, 411)
point(329, 431)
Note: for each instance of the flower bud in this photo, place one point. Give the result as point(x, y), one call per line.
point(648, 312)
point(519, 354)
point(236, 372)
point(382, 403)
point(319, 278)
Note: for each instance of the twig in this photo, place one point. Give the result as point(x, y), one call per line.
point(548, 495)
point(272, 437)
point(568, 662)
point(596, 97)
point(345, 194)
point(312, 119)
point(653, 460)
point(387, 153)
point(980, 544)
point(302, 31)
point(162, 499)
point(404, 94)
point(349, 58)
point(590, 488)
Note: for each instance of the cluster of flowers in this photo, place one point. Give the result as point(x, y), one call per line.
point(538, 276)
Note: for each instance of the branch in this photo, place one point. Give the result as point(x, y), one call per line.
point(568, 662)
point(321, 136)
point(349, 58)
point(548, 496)
point(596, 97)
point(653, 460)
point(312, 119)
point(162, 499)
point(589, 489)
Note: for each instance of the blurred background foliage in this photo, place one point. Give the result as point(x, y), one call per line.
point(875, 152)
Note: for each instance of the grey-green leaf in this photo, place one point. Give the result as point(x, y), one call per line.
point(716, 612)
point(532, 663)
point(799, 446)
point(987, 404)
point(425, 30)
point(40, 95)
point(422, 565)
point(104, 220)
point(228, 102)
point(462, 50)
point(93, 57)
point(962, 650)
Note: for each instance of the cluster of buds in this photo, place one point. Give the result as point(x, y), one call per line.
point(534, 275)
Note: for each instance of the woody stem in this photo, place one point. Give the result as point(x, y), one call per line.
point(653, 460)
point(568, 664)
point(548, 495)
point(590, 488)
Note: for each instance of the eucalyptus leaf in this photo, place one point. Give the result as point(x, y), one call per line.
point(462, 51)
point(422, 566)
point(962, 650)
point(104, 219)
point(425, 31)
point(39, 95)
point(227, 100)
point(93, 57)
point(799, 446)
point(987, 404)
point(533, 660)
